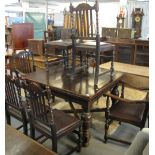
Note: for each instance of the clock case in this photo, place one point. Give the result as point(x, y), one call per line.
point(137, 16)
point(120, 21)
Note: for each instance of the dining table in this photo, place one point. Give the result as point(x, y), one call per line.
point(84, 48)
point(80, 90)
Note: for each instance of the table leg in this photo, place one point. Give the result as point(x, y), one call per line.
point(86, 118)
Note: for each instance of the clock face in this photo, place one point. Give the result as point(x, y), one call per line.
point(120, 21)
point(137, 19)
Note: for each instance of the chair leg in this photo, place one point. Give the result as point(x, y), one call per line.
point(79, 142)
point(148, 121)
point(53, 98)
point(32, 131)
point(8, 118)
point(106, 131)
point(25, 127)
point(54, 144)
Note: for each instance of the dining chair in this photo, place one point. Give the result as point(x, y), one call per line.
point(125, 110)
point(86, 45)
point(24, 62)
point(48, 36)
point(52, 123)
point(84, 27)
point(15, 106)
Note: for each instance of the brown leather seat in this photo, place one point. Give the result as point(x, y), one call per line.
point(51, 123)
point(65, 123)
point(134, 112)
point(127, 112)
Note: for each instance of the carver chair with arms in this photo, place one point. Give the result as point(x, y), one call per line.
point(134, 112)
point(51, 123)
point(14, 104)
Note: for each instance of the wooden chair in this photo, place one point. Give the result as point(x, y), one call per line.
point(84, 29)
point(52, 123)
point(14, 105)
point(24, 62)
point(48, 36)
point(109, 33)
point(134, 112)
point(124, 33)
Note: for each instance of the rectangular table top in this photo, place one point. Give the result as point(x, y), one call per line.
point(82, 86)
point(17, 143)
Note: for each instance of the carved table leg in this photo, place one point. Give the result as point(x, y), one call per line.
point(86, 117)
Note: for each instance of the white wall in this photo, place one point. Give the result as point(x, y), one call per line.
point(107, 14)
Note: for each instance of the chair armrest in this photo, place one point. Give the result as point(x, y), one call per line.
point(124, 100)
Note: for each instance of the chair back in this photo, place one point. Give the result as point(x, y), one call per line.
point(82, 20)
point(24, 62)
point(13, 92)
point(109, 33)
point(39, 103)
point(48, 36)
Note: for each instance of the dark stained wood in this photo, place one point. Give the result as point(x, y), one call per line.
point(121, 43)
point(14, 105)
point(61, 45)
point(17, 143)
point(49, 36)
point(124, 110)
point(81, 87)
point(85, 11)
point(52, 123)
point(20, 34)
point(141, 55)
point(80, 90)
point(139, 50)
point(24, 62)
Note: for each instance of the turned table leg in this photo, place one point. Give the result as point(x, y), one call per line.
point(86, 118)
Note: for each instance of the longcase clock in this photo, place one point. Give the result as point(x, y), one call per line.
point(137, 15)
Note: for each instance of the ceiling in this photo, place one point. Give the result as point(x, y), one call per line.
point(55, 5)
point(52, 4)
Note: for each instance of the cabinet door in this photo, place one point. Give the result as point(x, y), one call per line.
point(20, 35)
point(142, 52)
